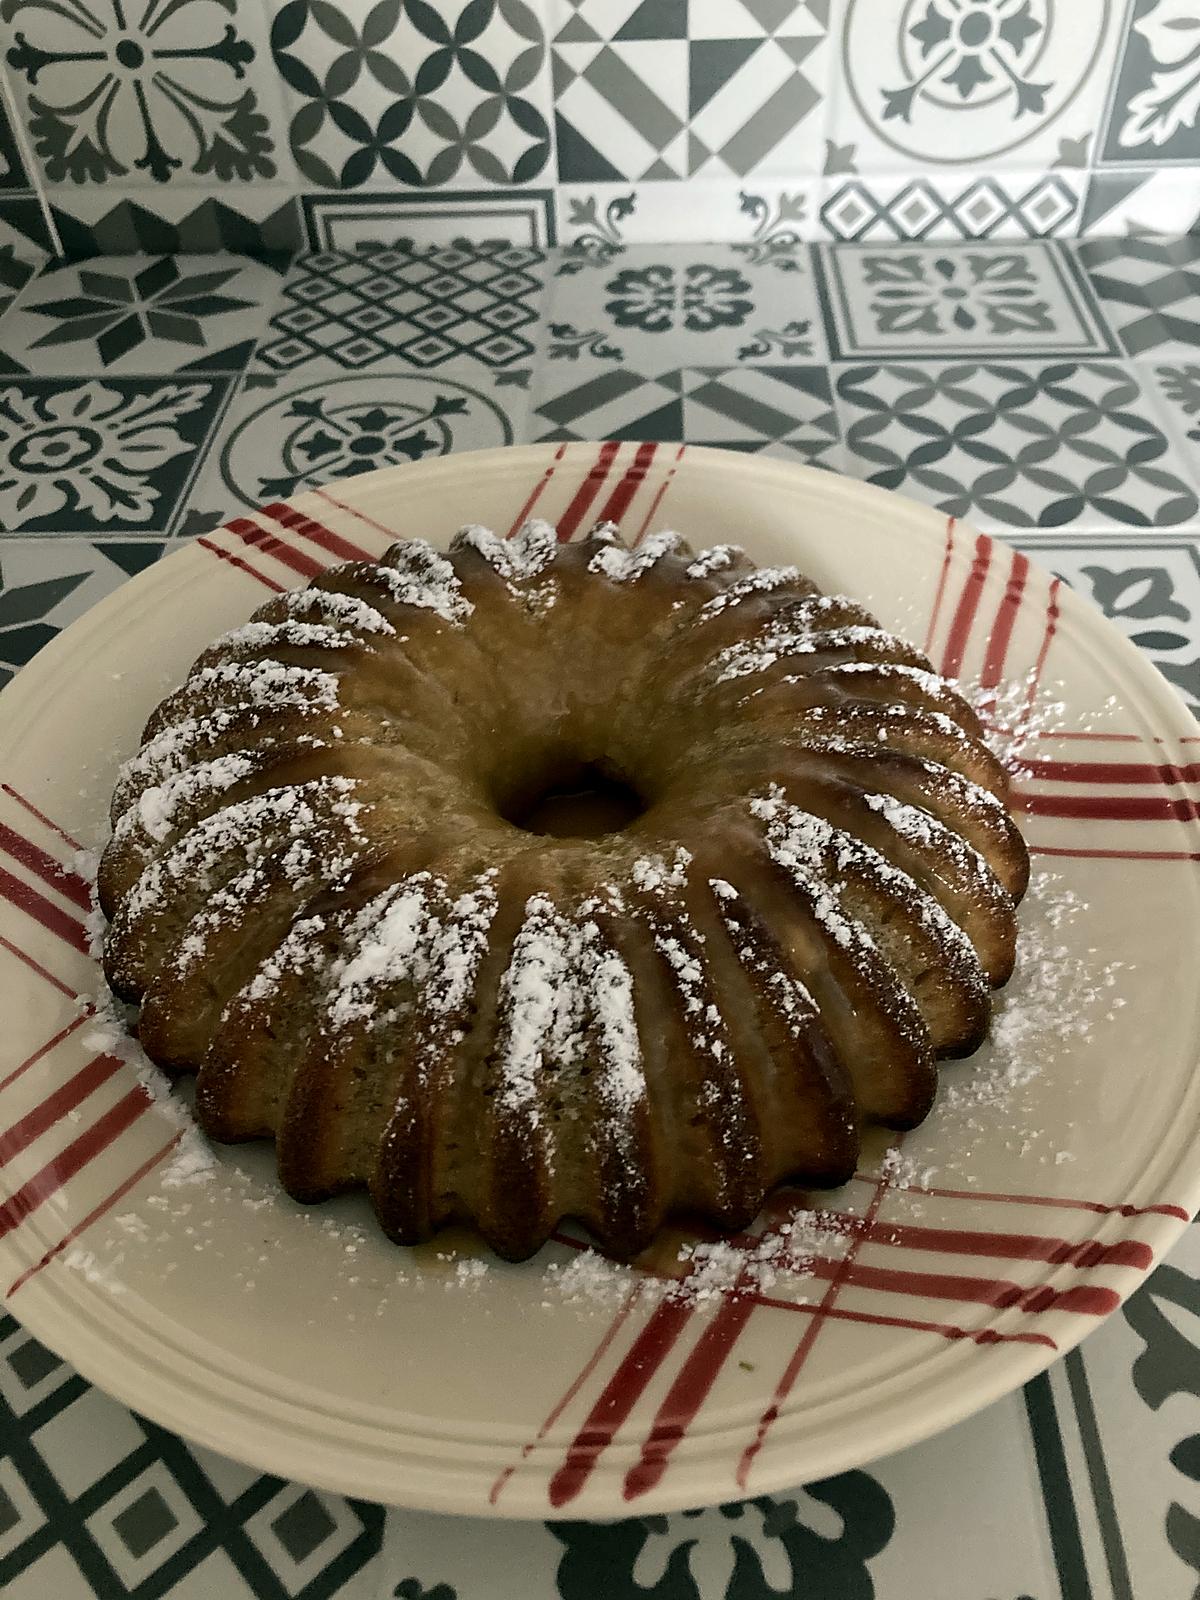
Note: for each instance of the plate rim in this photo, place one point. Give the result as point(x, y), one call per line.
point(895, 1429)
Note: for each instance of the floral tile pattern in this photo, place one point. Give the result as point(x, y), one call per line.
point(96, 456)
point(1015, 446)
point(479, 303)
point(651, 89)
point(415, 94)
point(939, 84)
point(283, 436)
point(703, 308)
point(1151, 291)
point(1154, 111)
point(134, 314)
point(963, 300)
point(142, 91)
point(1151, 592)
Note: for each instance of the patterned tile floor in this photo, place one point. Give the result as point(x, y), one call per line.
point(1049, 391)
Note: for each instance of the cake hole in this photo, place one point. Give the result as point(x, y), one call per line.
point(589, 804)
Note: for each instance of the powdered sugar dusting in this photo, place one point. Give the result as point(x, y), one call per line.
point(562, 980)
point(756, 654)
point(625, 566)
point(269, 684)
point(303, 635)
point(763, 581)
point(347, 609)
point(156, 807)
point(418, 575)
point(518, 559)
point(715, 559)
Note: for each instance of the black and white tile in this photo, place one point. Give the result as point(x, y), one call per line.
point(1153, 113)
point(689, 305)
point(1015, 446)
point(922, 300)
point(140, 314)
point(993, 85)
point(102, 455)
point(1150, 289)
point(654, 89)
point(422, 95)
point(479, 304)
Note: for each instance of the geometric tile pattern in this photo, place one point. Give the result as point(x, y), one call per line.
point(1151, 289)
point(138, 1512)
point(780, 410)
point(447, 304)
point(921, 300)
point(650, 89)
point(1016, 446)
point(130, 314)
point(415, 94)
point(946, 207)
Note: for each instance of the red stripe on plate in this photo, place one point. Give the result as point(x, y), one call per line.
point(588, 489)
point(1006, 616)
point(1101, 1207)
point(687, 1393)
point(50, 871)
point(26, 898)
point(1110, 807)
point(948, 1330)
point(618, 1398)
point(535, 494)
point(1107, 771)
point(72, 1160)
point(33, 811)
point(968, 606)
point(1086, 1299)
point(1014, 1246)
point(659, 493)
point(574, 1387)
point(242, 566)
point(316, 532)
point(353, 511)
point(259, 539)
point(55, 1106)
point(939, 596)
point(618, 501)
point(96, 1212)
point(1115, 855)
point(839, 1275)
point(44, 1050)
point(23, 955)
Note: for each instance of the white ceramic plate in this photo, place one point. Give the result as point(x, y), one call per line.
point(1058, 1166)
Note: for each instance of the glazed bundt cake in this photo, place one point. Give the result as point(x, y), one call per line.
point(323, 896)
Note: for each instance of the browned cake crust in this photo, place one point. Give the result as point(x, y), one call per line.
point(317, 900)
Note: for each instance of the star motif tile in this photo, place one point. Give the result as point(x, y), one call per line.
point(136, 314)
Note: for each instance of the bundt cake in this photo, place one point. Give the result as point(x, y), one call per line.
point(326, 891)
